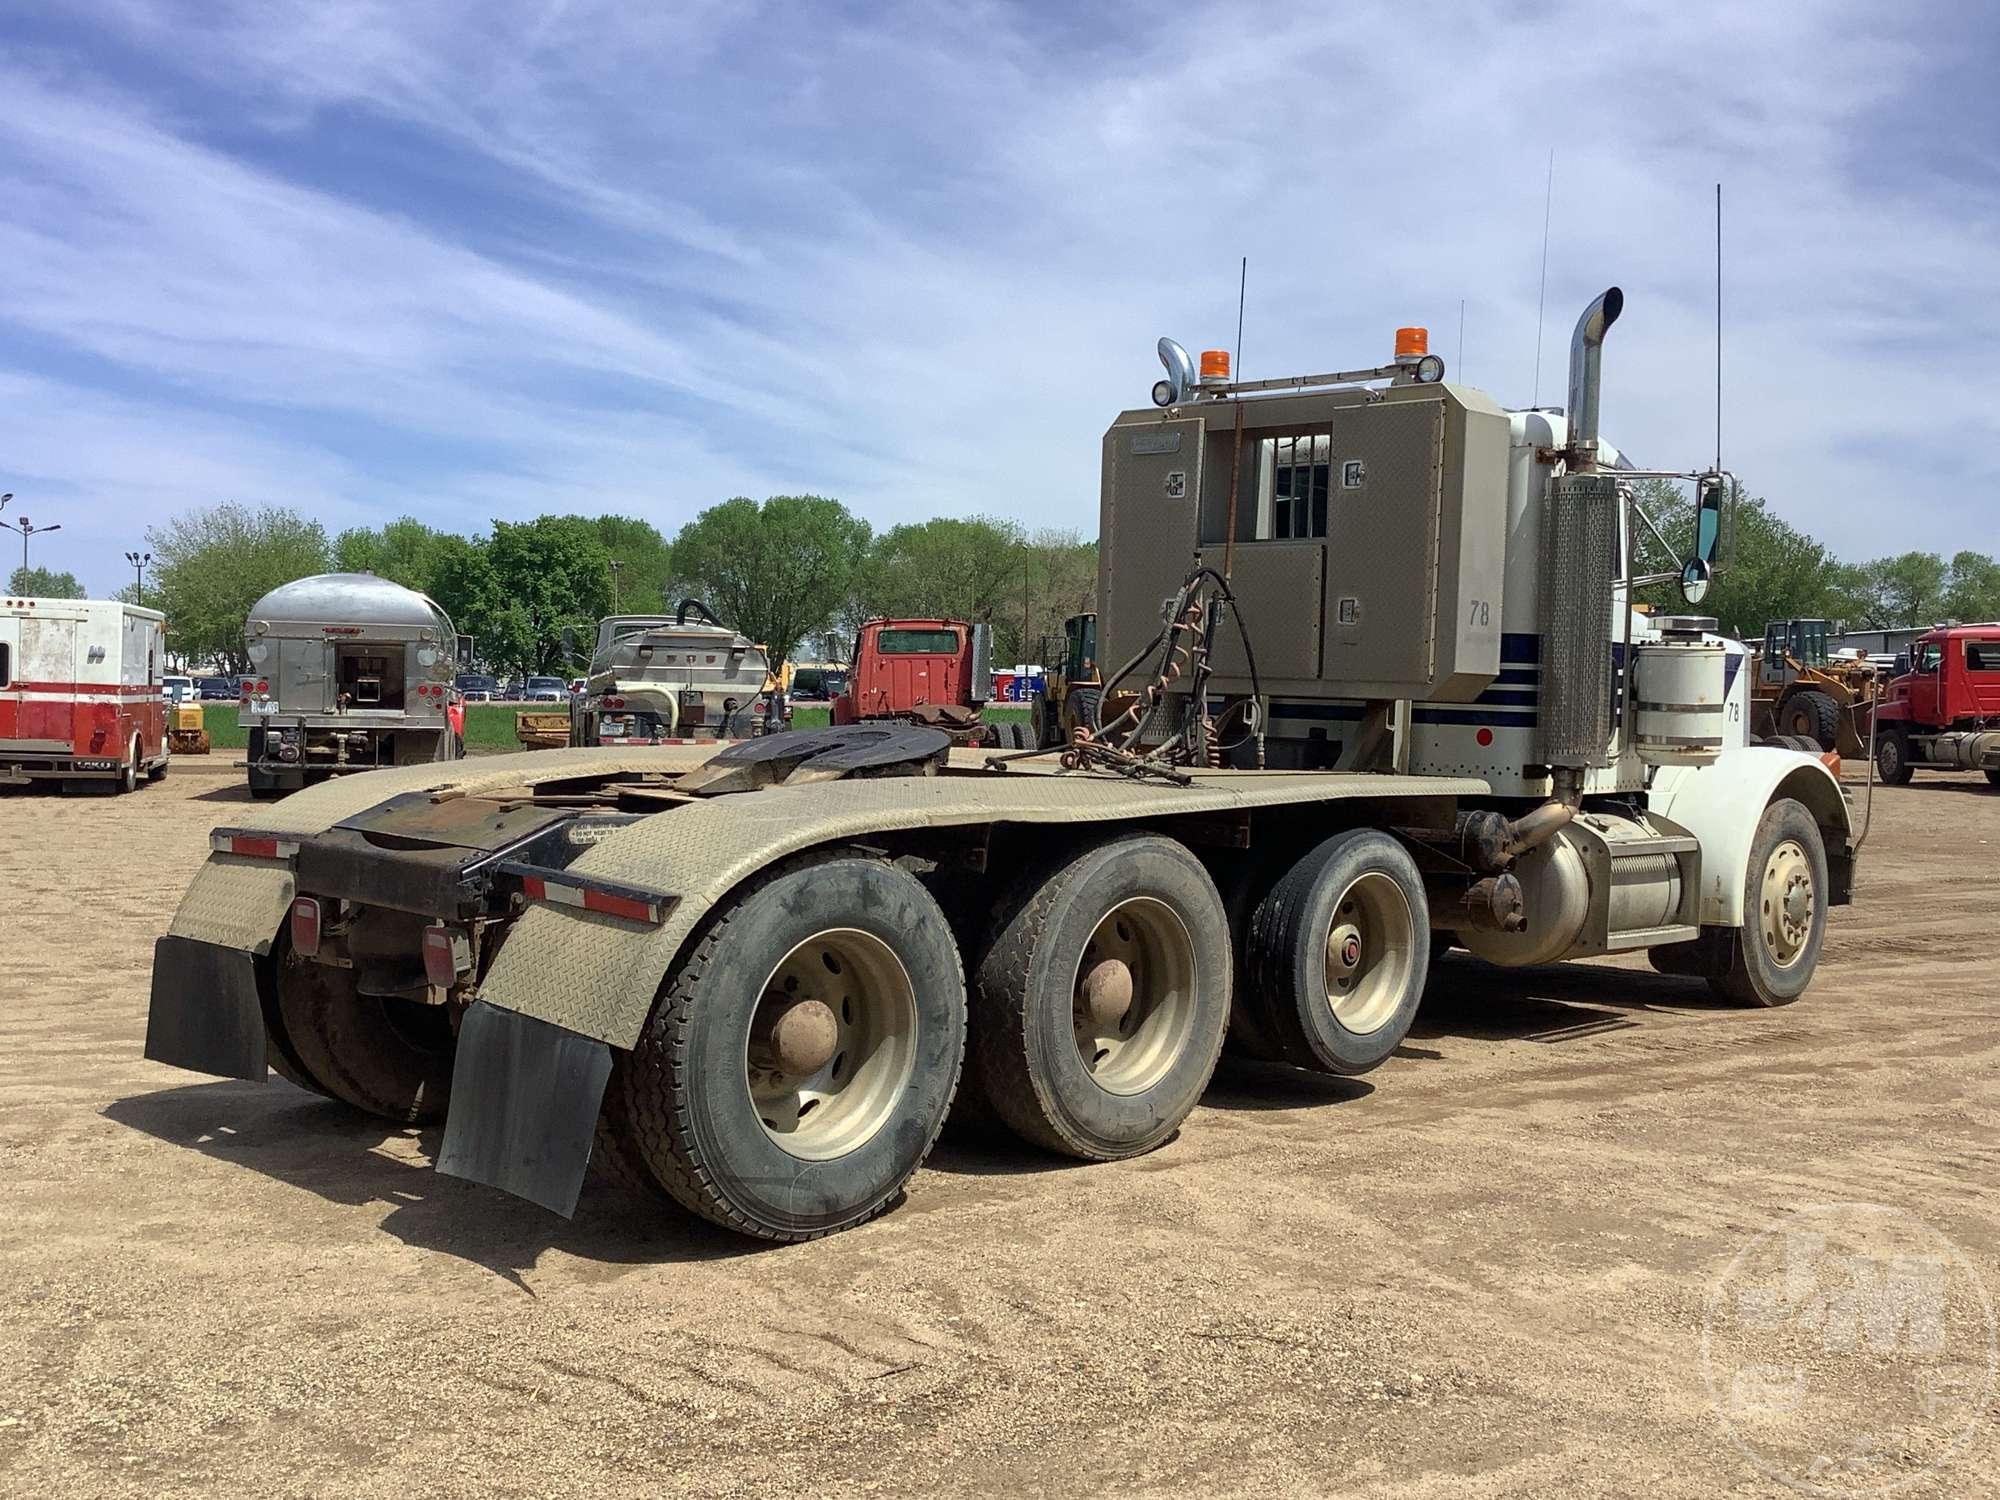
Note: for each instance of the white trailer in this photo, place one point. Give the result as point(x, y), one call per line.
point(81, 694)
point(1422, 711)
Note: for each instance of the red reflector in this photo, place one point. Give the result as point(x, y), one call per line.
point(305, 926)
point(533, 889)
point(440, 963)
point(618, 906)
point(254, 848)
point(1485, 737)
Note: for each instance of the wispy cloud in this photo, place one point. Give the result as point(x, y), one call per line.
point(469, 260)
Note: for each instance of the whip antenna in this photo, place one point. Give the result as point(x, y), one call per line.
point(1718, 328)
point(1542, 301)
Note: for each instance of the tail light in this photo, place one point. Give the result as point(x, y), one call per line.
point(263, 686)
point(447, 954)
point(614, 702)
point(305, 927)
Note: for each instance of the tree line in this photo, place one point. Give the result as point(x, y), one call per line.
point(1775, 571)
point(797, 573)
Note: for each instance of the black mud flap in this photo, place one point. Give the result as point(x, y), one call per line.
point(207, 1012)
point(524, 1102)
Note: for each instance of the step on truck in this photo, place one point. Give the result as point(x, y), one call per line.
point(82, 696)
point(1380, 688)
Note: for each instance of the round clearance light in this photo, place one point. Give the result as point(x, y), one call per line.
point(1430, 369)
point(1163, 393)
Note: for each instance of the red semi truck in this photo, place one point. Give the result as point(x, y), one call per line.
point(927, 672)
point(1944, 713)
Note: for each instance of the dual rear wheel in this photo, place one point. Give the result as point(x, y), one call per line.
point(789, 1098)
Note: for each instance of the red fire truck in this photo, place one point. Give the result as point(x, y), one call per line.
point(1944, 713)
point(81, 697)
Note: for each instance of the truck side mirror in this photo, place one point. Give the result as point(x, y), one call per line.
point(1698, 570)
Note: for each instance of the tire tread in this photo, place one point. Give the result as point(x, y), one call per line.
point(655, 1092)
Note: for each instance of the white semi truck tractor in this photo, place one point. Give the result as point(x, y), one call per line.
point(1380, 687)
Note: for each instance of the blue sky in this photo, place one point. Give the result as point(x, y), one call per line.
point(491, 259)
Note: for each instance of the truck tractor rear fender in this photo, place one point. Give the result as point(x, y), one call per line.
point(208, 1011)
point(1721, 805)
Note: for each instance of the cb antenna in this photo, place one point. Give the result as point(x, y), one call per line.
point(1542, 301)
point(1718, 328)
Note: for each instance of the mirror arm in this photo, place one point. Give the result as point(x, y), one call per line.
point(1665, 545)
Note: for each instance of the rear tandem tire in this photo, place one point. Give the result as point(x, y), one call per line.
point(788, 1134)
point(1338, 953)
point(391, 1058)
point(1104, 1059)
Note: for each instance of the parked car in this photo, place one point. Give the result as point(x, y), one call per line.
point(476, 687)
point(545, 690)
point(216, 689)
point(177, 689)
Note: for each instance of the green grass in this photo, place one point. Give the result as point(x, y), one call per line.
point(489, 727)
point(220, 720)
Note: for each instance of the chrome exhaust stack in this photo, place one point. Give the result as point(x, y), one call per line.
point(1586, 360)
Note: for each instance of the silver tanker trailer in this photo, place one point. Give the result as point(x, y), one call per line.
point(348, 672)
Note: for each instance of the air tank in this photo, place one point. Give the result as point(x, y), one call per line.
point(1678, 694)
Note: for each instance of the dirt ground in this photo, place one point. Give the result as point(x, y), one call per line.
point(1485, 1269)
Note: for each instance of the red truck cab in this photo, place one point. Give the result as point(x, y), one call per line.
point(902, 666)
point(1944, 713)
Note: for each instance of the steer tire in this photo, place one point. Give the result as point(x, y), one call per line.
point(1028, 1036)
point(389, 1057)
point(1325, 1015)
point(1751, 969)
point(1892, 756)
point(690, 1093)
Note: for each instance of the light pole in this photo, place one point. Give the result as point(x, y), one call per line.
point(616, 568)
point(27, 529)
point(138, 560)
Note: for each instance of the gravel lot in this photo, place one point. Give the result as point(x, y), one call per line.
point(1486, 1269)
